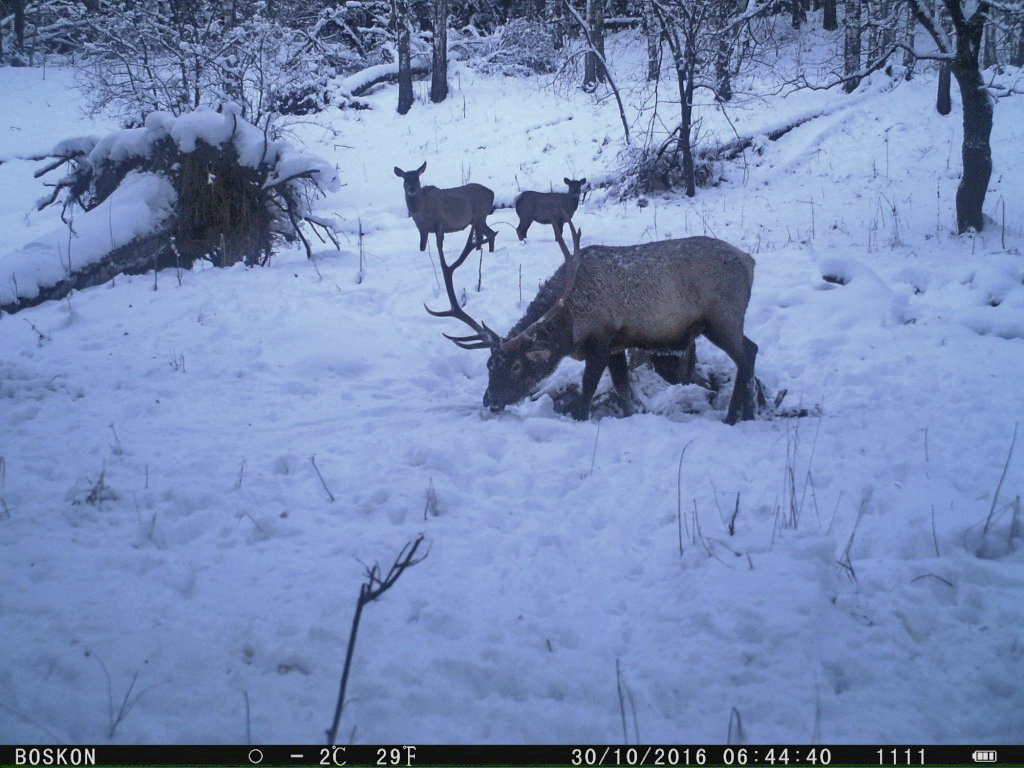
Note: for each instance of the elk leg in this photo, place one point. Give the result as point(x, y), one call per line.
point(688, 365)
point(491, 234)
point(751, 385)
point(672, 368)
point(619, 369)
point(596, 362)
point(480, 237)
point(743, 353)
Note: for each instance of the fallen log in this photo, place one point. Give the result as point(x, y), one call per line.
point(659, 168)
point(134, 258)
point(362, 82)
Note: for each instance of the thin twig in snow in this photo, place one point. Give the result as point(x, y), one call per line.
point(999, 485)
point(312, 460)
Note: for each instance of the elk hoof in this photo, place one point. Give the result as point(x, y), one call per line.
point(630, 406)
point(580, 410)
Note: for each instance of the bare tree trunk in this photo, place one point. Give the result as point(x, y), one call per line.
point(798, 13)
point(723, 75)
point(591, 48)
point(888, 22)
point(874, 29)
point(885, 21)
point(593, 70)
point(19, 25)
point(829, 18)
point(851, 44)
point(554, 9)
point(976, 150)
point(686, 126)
point(909, 59)
point(978, 104)
point(721, 12)
point(400, 16)
point(439, 71)
point(943, 101)
point(989, 54)
point(684, 58)
point(653, 42)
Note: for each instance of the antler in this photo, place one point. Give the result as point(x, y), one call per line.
point(484, 337)
point(576, 235)
point(572, 265)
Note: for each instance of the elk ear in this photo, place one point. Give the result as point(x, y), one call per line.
point(422, 168)
point(399, 173)
point(538, 355)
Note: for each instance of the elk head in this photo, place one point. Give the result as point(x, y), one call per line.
point(519, 363)
point(575, 185)
point(411, 183)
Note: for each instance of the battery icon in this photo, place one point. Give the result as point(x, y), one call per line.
point(984, 755)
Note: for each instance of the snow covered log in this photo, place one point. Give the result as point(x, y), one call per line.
point(125, 234)
point(360, 83)
point(204, 185)
point(134, 258)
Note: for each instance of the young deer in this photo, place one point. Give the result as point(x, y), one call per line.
point(606, 299)
point(439, 211)
point(554, 208)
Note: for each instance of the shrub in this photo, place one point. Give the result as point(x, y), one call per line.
point(522, 47)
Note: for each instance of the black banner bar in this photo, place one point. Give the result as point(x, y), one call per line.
point(581, 756)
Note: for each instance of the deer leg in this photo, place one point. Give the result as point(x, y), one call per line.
point(596, 361)
point(670, 368)
point(619, 369)
point(491, 234)
point(688, 365)
point(743, 353)
point(751, 385)
point(523, 228)
point(423, 239)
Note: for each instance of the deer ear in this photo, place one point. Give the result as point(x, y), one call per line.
point(422, 168)
point(582, 182)
point(538, 355)
point(567, 182)
point(398, 172)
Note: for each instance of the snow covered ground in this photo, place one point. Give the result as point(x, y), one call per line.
point(167, 540)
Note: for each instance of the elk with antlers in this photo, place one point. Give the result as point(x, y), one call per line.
point(605, 300)
point(439, 211)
